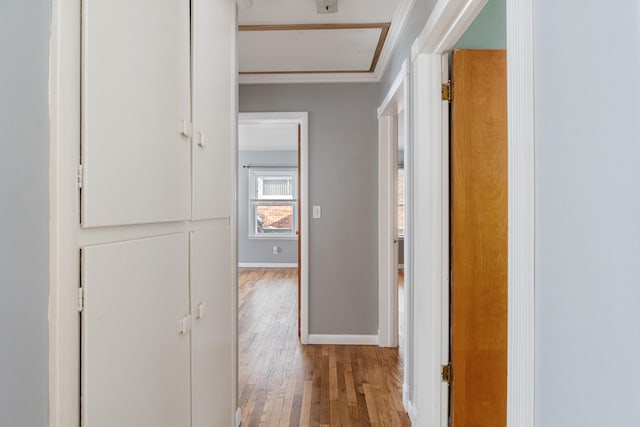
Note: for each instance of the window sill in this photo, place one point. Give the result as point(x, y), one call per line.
point(273, 237)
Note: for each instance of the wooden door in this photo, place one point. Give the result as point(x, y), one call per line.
point(213, 317)
point(479, 238)
point(214, 116)
point(135, 359)
point(135, 93)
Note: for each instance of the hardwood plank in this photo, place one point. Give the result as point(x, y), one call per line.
point(305, 416)
point(284, 383)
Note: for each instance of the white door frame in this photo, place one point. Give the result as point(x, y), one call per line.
point(428, 396)
point(64, 321)
point(301, 118)
point(397, 99)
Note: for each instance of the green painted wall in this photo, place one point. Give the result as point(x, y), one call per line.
point(488, 30)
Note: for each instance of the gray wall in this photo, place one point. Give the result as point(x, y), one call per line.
point(261, 250)
point(587, 176)
point(24, 213)
point(343, 170)
point(417, 18)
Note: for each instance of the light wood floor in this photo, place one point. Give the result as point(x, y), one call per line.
point(283, 383)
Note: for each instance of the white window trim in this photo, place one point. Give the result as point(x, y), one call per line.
point(253, 174)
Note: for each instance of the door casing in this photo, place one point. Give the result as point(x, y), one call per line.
point(427, 402)
point(302, 119)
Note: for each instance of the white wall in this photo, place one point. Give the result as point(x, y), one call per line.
point(587, 169)
point(24, 213)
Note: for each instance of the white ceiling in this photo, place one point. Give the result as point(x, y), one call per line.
point(268, 137)
point(304, 12)
point(308, 50)
point(291, 54)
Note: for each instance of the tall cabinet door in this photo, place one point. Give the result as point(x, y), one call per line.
point(135, 357)
point(214, 94)
point(212, 304)
point(135, 94)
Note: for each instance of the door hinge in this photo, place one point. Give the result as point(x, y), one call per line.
point(80, 300)
point(80, 176)
point(447, 373)
point(446, 91)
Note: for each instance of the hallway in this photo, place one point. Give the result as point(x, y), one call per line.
point(283, 383)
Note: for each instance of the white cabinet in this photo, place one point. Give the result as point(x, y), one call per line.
point(211, 305)
point(156, 331)
point(135, 364)
point(158, 110)
point(135, 91)
point(156, 233)
point(214, 76)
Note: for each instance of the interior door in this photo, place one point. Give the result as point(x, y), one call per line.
point(214, 118)
point(212, 336)
point(479, 238)
point(135, 360)
point(135, 93)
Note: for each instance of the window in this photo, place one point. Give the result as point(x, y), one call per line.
point(273, 211)
point(401, 182)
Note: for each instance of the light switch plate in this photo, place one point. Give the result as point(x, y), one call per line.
point(317, 212)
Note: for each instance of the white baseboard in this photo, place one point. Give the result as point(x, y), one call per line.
point(238, 417)
point(413, 413)
point(401, 266)
point(268, 264)
point(343, 339)
point(405, 396)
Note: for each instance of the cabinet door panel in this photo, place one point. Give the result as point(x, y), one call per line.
point(214, 110)
point(135, 92)
point(135, 363)
point(212, 348)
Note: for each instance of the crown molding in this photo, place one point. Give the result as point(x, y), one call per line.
point(398, 24)
point(244, 79)
point(446, 24)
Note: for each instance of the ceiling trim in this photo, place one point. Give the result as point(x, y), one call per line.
point(384, 57)
point(301, 27)
point(308, 78)
point(397, 27)
point(383, 26)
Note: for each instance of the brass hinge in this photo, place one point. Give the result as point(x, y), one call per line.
point(446, 91)
point(447, 373)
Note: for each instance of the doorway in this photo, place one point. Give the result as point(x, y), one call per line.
point(430, 71)
point(263, 214)
point(395, 229)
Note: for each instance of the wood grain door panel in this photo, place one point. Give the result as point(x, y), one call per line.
point(479, 238)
